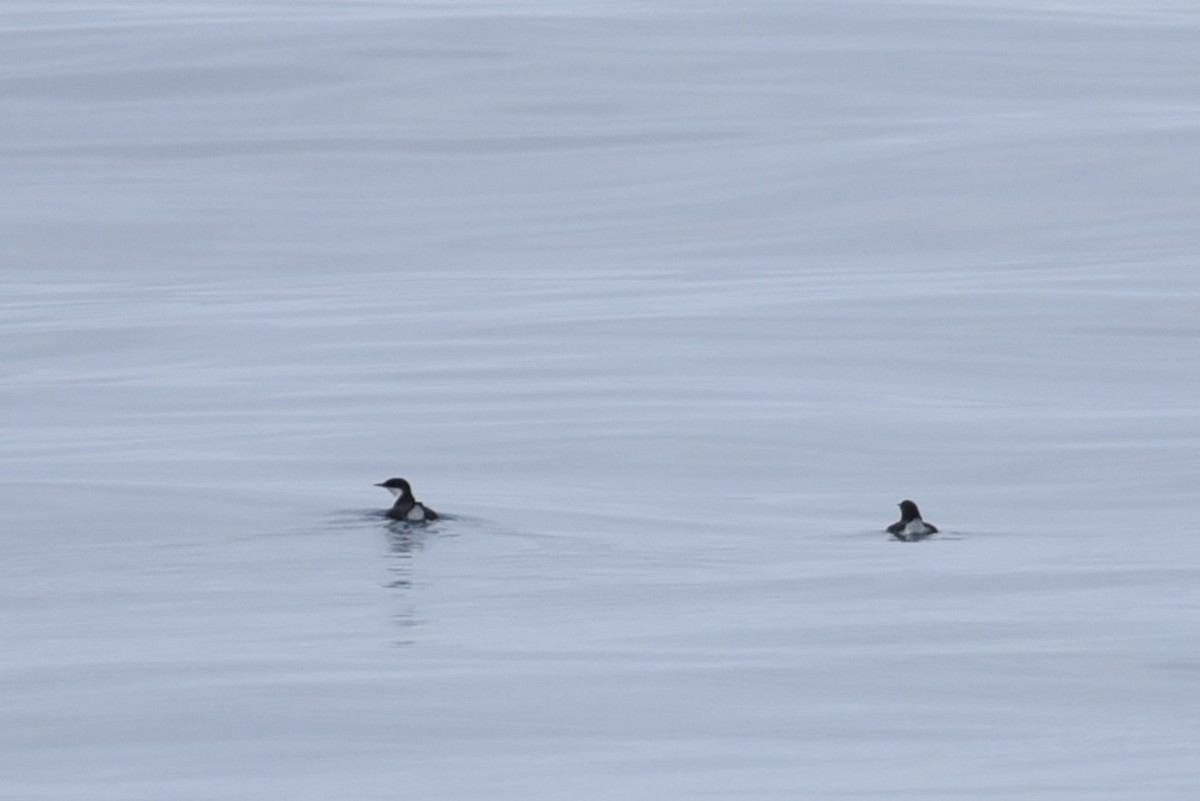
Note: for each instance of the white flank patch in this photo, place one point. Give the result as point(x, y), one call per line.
point(916, 528)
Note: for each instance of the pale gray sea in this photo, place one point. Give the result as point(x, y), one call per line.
point(665, 306)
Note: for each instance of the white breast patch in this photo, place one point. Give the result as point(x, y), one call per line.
point(915, 528)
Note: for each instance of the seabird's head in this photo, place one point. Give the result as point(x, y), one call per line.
point(399, 487)
point(909, 511)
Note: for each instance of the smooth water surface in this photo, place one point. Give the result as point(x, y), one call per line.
point(667, 305)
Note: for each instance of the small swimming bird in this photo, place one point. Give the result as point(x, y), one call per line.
point(406, 507)
point(910, 526)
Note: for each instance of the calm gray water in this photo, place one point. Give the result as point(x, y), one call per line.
point(667, 307)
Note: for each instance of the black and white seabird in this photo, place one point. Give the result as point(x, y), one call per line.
point(406, 507)
point(910, 526)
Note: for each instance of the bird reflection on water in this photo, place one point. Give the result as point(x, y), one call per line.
point(404, 540)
